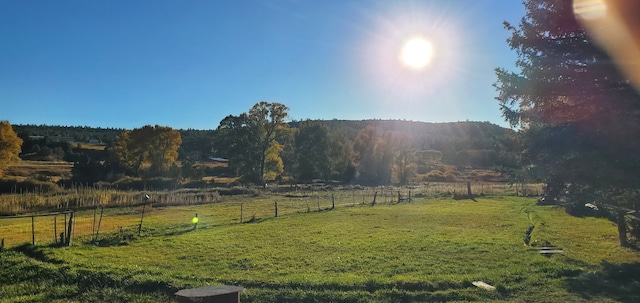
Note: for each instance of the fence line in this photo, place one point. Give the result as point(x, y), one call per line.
point(15, 228)
point(99, 222)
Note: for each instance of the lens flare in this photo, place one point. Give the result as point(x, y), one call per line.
point(589, 9)
point(417, 53)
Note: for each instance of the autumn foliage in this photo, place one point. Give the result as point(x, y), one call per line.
point(10, 146)
point(152, 149)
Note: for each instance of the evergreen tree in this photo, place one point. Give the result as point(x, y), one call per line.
point(312, 150)
point(578, 117)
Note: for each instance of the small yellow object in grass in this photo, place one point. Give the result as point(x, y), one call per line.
point(194, 220)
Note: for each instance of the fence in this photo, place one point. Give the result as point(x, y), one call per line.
point(154, 217)
point(56, 228)
point(90, 197)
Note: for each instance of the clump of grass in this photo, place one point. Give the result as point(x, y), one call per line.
point(527, 235)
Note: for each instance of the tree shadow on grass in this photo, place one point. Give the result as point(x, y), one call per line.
point(619, 282)
point(36, 253)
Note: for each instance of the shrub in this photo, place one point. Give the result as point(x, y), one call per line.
point(147, 184)
point(237, 190)
point(197, 184)
point(435, 176)
point(422, 169)
point(450, 176)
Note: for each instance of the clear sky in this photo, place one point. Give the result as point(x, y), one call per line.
point(188, 64)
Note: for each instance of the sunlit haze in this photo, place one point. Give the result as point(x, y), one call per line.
point(189, 64)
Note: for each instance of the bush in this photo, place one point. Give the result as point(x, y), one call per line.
point(450, 176)
point(147, 184)
point(435, 176)
point(439, 176)
point(197, 184)
point(422, 169)
point(238, 191)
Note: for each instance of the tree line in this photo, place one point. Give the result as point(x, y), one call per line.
point(261, 145)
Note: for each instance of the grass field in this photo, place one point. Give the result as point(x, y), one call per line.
point(429, 250)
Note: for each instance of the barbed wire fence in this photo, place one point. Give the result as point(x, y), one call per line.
point(94, 224)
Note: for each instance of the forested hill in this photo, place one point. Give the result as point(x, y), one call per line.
point(421, 131)
point(450, 138)
point(424, 132)
point(85, 133)
point(67, 133)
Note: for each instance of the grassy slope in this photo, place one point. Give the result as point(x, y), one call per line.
point(425, 251)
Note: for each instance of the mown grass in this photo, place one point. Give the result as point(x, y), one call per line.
point(429, 250)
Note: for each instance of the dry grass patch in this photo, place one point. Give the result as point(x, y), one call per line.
point(91, 146)
point(40, 170)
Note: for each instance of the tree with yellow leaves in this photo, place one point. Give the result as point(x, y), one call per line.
point(155, 147)
point(10, 146)
point(250, 141)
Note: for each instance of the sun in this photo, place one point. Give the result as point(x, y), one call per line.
point(416, 53)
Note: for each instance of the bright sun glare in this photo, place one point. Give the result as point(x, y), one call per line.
point(416, 53)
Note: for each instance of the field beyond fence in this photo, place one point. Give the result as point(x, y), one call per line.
point(107, 211)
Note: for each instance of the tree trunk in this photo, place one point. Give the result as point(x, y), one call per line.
point(263, 158)
point(622, 228)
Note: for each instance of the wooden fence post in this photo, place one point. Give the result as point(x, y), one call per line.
point(333, 201)
point(55, 231)
point(275, 203)
point(33, 232)
point(622, 228)
point(64, 231)
point(141, 217)
point(70, 226)
point(93, 225)
point(99, 221)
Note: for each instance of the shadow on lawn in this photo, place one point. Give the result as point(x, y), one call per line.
point(614, 281)
point(35, 252)
point(58, 280)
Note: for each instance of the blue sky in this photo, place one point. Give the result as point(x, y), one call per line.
point(188, 64)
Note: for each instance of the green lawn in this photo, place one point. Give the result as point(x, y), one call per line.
point(429, 250)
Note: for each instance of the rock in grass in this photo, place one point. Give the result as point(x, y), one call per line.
point(483, 285)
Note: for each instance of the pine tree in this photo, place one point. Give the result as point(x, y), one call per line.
point(577, 115)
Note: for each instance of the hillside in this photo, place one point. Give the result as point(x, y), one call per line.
point(449, 138)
